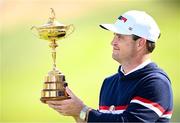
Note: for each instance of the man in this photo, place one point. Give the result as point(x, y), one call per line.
point(140, 91)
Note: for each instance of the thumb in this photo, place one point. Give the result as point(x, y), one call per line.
point(70, 93)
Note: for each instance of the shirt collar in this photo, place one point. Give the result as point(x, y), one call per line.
point(137, 68)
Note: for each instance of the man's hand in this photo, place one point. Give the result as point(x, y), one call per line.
point(69, 107)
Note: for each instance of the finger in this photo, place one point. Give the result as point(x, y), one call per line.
point(52, 102)
point(56, 107)
point(51, 106)
point(60, 112)
point(61, 102)
point(71, 94)
point(63, 113)
point(66, 102)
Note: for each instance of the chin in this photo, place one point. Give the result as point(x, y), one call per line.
point(116, 58)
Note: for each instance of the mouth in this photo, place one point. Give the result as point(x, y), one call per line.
point(114, 48)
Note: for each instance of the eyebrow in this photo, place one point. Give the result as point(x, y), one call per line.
point(119, 35)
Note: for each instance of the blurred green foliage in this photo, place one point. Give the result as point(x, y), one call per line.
point(84, 57)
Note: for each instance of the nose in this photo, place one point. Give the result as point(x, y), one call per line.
point(113, 42)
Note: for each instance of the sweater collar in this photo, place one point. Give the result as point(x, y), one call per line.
point(136, 68)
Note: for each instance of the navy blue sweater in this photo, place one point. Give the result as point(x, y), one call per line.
point(144, 95)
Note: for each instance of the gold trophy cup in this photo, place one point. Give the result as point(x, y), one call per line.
point(54, 83)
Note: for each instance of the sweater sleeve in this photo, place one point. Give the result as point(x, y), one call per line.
point(152, 101)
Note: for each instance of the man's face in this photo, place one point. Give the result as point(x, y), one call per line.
point(124, 48)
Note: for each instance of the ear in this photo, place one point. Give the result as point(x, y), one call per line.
point(141, 43)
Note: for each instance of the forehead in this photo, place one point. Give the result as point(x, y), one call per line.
point(121, 35)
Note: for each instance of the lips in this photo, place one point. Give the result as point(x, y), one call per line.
point(115, 48)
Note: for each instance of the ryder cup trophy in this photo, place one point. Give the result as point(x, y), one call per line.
point(54, 82)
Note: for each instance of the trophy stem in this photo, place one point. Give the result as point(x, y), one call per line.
point(54, 58)
point(53, 45)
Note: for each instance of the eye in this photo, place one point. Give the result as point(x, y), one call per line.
point(119, 36)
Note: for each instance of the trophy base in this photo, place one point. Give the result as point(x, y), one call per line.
point(44, 99)
point(54, 87)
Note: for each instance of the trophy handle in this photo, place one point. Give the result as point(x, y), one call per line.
point(70, 29)
point(33, 32)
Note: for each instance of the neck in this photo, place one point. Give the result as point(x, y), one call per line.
point(134, 62)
